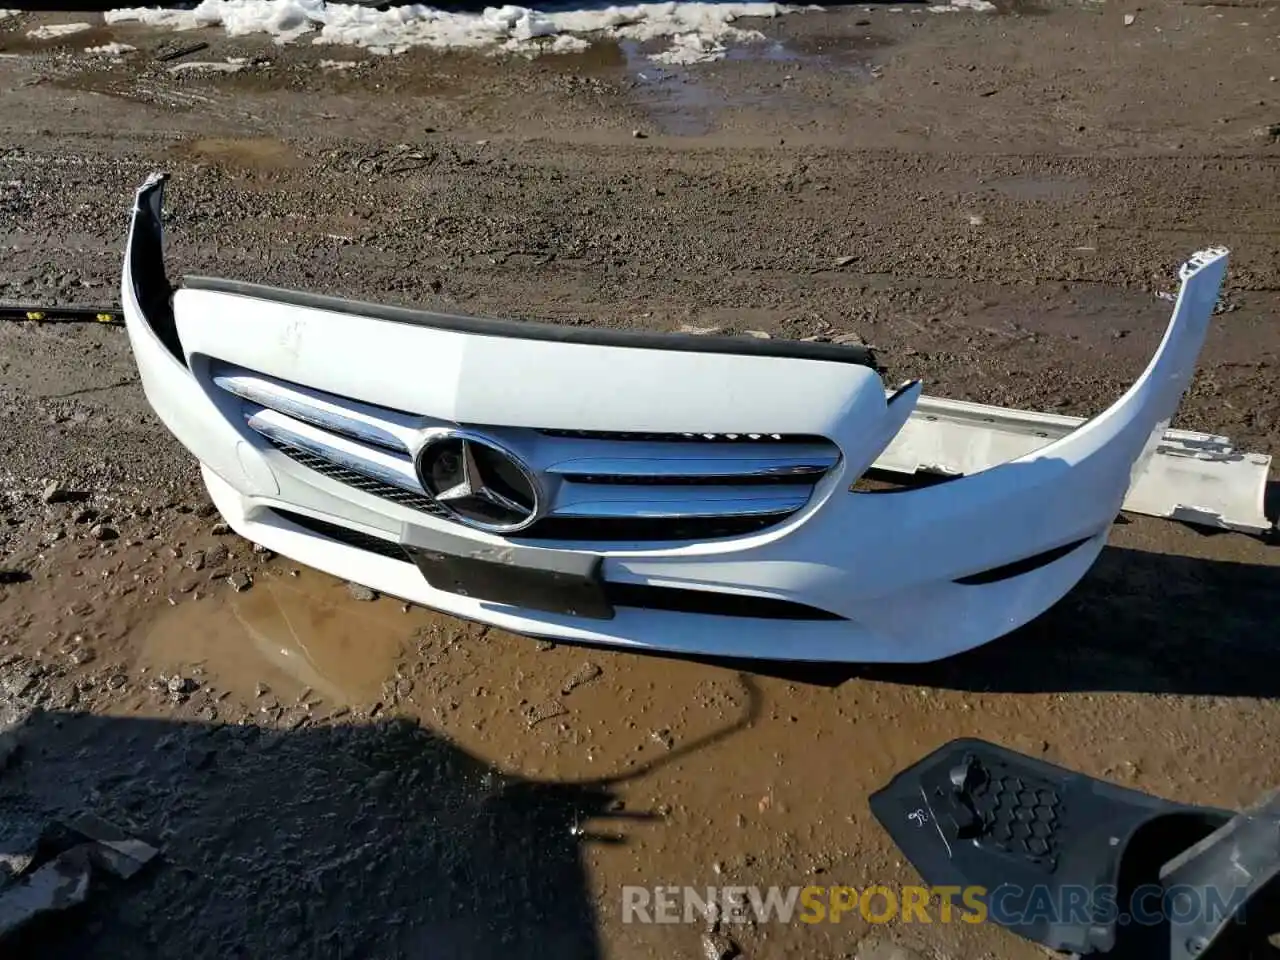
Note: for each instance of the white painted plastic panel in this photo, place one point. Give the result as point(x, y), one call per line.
point(497, 380)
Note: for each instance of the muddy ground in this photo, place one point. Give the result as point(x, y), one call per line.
point(994, 202)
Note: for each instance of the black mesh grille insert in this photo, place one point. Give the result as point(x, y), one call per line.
point(341, 534)
point(367, 484)
point(627, 435)
point(621, 529)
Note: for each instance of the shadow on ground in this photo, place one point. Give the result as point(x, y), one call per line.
point(367, 840)
point(359, 841)
point(1139, 622)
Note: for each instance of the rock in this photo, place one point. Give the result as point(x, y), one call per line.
point(217, 556)
point(1129, 19)
point(584, 674)
point(220, 530)
point(639, 134)
point(844, 261)
point(178, 684)
point(240, 581)
point(360, 592)
point(853, 338)
point(697, 331)
point(538, 712)
point(56, 493)
point(196, 560)
point(663, 738)
point(976, 220)
point(102, 532)
point(82, 655)
point(717, 946)
point(261, 690)
point(544, 645)
point(1270, 131)
point(757, 334)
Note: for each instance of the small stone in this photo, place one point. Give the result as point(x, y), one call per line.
point(696, 331)
point(976, 220)
point(261, 690)
point(757, 334)
point(102, 532)
point(1129, 18)
point(360, 592)
point(217, 556)
point(544, 645)
point(220, 530)
point(196, 560)
point(584, 674)
point(1269, 131)
point(639, 134)
point(844, 261)
point(240, 581)
point(717, 946)
point(57, 493)
point(81, 656)
point(846, 338)
point(179, 685)
point(663, 738)
point(1119, 334)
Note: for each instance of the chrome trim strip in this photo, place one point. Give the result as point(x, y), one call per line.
point(810, 467)
point(267, 423)
point(682, 509)
point(300, 406)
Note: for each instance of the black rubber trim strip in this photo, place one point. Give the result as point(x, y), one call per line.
point(551, 332)
point(151, 285)
point(1027, 564)
point(620, 594)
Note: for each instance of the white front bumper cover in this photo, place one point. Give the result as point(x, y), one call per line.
point(306, 415)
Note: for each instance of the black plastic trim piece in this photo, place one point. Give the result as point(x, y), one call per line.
point(711, 602)
point(1026, 565)
point(344, 535)
point(619, 594)
point(551, 332)
point(151, 284)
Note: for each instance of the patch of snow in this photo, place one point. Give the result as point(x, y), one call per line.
point(697, 29)
point(54, 30)
point(7, 14)
point(338, 64)
point(955, 6)
point(110, 50)
point(690, 48)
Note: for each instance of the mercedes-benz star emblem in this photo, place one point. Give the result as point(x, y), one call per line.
point(478, 482)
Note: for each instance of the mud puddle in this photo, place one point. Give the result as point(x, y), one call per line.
point(687, 100)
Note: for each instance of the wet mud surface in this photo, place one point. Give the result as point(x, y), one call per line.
point(995, 203)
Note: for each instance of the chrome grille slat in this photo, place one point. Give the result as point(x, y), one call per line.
point(314, 408)
point(791, 468)
point(357, 480)
point(598, 486)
